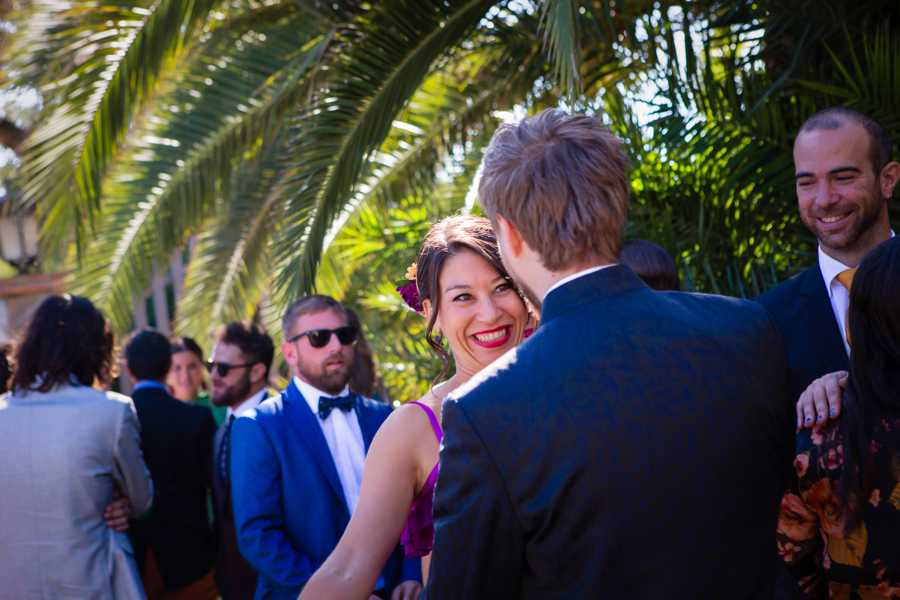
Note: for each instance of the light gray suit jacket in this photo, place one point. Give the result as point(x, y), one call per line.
point(61, 454)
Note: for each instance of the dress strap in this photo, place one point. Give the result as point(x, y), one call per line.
point(438, 432)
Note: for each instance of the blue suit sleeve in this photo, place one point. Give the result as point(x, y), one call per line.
point(479, 546)
point(410, 569)
point(258, 512)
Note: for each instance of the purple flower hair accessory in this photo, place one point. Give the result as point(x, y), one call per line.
point(410, 295)
point(410, 291)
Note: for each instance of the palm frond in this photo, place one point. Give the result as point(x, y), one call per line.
point(107, 64)
point(183, 159)
point(378, 70)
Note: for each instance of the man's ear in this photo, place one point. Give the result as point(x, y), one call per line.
point(509, 239)
point(257, 372)
point(890, 174)
point(290, 353)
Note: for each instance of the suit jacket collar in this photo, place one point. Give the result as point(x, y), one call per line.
point(820, 322)
point(298, 411)
point(588, 289)
point(150, 391)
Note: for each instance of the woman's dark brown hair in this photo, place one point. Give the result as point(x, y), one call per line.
point(186, 344)
point(652, 264)
point(66, 338)
point(449, 237)
point(874, 381)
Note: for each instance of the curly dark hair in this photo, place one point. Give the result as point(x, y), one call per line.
point(67, 337)
point(251, 338)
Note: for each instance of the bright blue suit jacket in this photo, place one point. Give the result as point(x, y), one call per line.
point(289, 507)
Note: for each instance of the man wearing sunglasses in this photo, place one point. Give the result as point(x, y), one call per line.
point(297, 460)
point(239, 369)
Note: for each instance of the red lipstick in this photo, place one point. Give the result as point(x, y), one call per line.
point(494, 343)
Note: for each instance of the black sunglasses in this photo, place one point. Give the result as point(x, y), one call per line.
point(223, 368)
point(319, 338)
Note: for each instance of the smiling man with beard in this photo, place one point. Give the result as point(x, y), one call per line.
point(845, 175)
point(297, 460)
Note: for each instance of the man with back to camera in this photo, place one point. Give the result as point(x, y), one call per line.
point(845, 176)
point(174, 547)
point(297, 459)
point(637, 445)
point(239, 370)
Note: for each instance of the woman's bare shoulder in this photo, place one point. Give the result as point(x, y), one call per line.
point(407, 428)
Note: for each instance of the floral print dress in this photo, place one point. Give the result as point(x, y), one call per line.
point(828, 562)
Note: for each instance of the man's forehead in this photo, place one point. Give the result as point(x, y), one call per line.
point(322, 319)
point(226, 349)
point(847, 145)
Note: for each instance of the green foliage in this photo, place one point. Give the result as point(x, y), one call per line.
point(294, 146)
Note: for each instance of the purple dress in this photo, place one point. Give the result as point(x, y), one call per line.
point(418, 535)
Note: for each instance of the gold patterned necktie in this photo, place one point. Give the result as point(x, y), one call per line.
point(845, 278)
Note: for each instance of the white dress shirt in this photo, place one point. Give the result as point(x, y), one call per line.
point(246, 406)
point(345, 441)
point(575, 276)
point(838, 295)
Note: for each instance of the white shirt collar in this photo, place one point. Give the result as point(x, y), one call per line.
point(831, 268)
point(312, 394)
point(575, 276)
point(247, 405)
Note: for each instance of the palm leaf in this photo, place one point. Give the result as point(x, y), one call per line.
point(378, 71)
point(105, 75)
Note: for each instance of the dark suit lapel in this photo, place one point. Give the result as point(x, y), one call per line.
point(367, 423)
point(307, 423)
point(820, 321)
point(218, 484)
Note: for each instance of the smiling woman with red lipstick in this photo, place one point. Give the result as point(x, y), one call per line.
point(461, 287)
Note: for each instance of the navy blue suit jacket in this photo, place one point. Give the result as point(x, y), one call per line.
point(289, 506)
point(802, 309)
point(176, 439)
point(636, 446)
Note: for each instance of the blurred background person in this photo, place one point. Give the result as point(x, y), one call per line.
point(239, 370)
point(6, 350)
point(174, 547)
point(839, 520)
point(365, 380)
point(66, 448)
point(185, 379)
point(652, 264)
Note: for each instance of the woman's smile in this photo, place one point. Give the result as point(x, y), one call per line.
point(493, 338)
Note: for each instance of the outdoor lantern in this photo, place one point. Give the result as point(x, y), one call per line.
point(19, 240)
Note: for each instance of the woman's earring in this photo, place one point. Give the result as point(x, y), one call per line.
point(529, 326)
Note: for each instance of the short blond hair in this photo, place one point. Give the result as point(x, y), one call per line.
point(562, 180)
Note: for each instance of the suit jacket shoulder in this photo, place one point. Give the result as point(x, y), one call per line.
point(802, 309)
point(593, 427)
point(199, 415)
point(267, 412)
point(375, 407)
point(787, 293)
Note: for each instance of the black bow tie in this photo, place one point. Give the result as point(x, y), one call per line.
point(327, 404)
